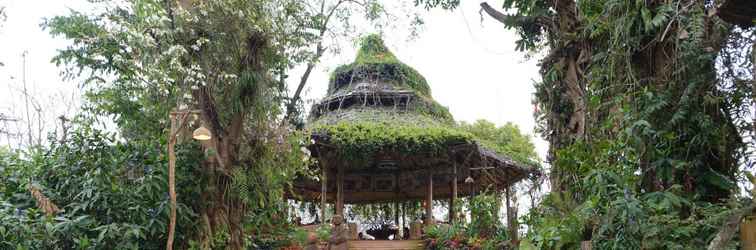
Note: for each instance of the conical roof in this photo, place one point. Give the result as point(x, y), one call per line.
point(379, 84)
point(380, 124)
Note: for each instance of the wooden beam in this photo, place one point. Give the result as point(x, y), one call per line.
point(481, 168)
point(340, 190)
point(429, 200)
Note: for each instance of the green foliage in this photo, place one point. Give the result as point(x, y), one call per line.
point(375, 62)
point(358, 140)
point(113, 195)
point(605, 206)
point(372, 50)
point(445, 4)
point(484, 231)
point(506, 140)
point(484, 212)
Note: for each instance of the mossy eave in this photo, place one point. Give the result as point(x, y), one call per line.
point(398, 74)
point(361, 140)
point(425, 108)
point(358, 133)
point(383, 115)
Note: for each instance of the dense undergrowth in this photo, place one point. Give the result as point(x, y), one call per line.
point(111, 194)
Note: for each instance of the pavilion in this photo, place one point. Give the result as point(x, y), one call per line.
point(380, 137)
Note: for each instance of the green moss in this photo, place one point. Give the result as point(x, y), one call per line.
point(360, 140)
point(375, 62)
point(430, 107)
point(373, 50)
point(419, 113)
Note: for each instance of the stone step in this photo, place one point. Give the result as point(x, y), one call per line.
point(385, 244)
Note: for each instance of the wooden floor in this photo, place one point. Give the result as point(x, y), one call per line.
point(385, 244)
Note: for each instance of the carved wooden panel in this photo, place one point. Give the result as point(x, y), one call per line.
point(383, 183)
point(357, 183)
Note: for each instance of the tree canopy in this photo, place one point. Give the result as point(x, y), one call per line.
point(647, 107)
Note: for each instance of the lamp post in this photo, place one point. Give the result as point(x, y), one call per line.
point(200, 134)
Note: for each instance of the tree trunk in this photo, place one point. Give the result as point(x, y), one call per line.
point(225, 211)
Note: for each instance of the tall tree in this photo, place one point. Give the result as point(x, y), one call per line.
point(145, 58)
point(636, 98)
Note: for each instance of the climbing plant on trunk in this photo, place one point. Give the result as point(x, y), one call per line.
point(144, 58)
point(643, 105)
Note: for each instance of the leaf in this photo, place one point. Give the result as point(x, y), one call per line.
point(646, 17)
point(714, 178)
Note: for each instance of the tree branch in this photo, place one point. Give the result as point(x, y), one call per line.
point(501, 17)
point(728, 230)
point(319, 50)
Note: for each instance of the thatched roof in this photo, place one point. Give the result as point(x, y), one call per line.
point(381, 125)
point(375, 63)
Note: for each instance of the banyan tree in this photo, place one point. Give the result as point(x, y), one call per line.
point(380, 137)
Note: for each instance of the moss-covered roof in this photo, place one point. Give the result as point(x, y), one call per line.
point(374, 62)
point(378, 103)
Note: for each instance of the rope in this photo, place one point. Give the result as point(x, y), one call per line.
point(476, 40)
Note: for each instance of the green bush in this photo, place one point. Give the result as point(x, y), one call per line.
point(112, 194)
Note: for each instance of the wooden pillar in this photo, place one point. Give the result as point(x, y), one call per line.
point(396, 202)
point(511, 219)
point(323, 193)
point(171, 180)
point(340, 191)
point(396, 213)
point(404, 217)
point(398, 235)
point(429, 200)
point(586, 245)
point(453, 198)
point(286, 208)
point(748, 232)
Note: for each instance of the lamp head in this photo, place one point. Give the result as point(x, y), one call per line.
point(469, 180)
point(202, 134)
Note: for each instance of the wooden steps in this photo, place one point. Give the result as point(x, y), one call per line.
point(385, 244)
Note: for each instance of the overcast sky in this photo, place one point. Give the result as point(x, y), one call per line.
point(470, 64)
